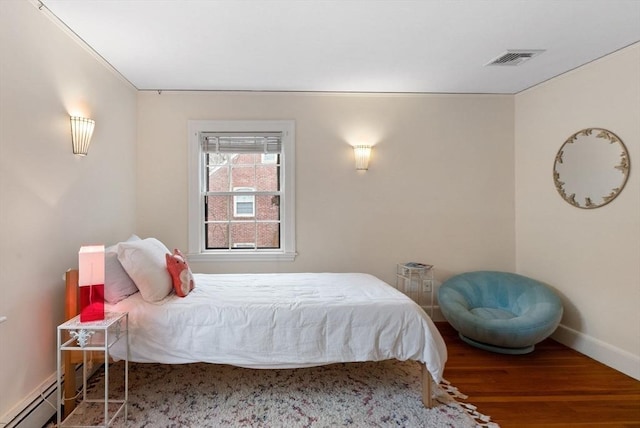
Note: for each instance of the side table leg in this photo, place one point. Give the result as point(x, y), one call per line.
point(106, 378)
point(126, 368)
point(58, 382)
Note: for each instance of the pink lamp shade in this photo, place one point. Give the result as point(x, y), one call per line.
point(91, 282)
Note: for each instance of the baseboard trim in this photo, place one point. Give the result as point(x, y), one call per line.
point(603, 352)
point(33, 411)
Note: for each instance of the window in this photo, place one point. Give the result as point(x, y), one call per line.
point(269, 158)
point(241, 190)
point(245, 205)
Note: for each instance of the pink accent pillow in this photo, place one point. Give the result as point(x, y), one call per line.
point(180, 273)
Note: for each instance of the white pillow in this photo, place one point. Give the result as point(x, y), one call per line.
point(117, 284)
point(145, 263)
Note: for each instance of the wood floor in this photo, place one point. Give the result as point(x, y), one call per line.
point(554, 386)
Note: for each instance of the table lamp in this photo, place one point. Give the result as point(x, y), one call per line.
point(91, 282)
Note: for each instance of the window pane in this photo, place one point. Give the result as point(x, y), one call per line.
point(268, 235)
point(243, 176)
point(217, 159)
point(268, 207)
point(269, 158)
point(217, 208)
point(267, 179)
point(243, 235)
point(217, 236)
point(217, 172)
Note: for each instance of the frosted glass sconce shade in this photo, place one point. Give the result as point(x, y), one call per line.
point(362, 153)
point(81, 132)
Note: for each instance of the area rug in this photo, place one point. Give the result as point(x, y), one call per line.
point(371, 394)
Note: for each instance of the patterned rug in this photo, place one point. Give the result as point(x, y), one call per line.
point(372, 394)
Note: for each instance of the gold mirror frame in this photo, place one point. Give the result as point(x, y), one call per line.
point(591, 168)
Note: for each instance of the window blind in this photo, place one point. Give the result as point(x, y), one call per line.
point(234, 142)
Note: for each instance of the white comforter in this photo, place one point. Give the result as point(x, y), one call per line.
point(282, 321)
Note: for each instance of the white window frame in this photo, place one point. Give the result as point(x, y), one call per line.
point(197, 251)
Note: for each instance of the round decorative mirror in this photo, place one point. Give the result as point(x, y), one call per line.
point(591, 168)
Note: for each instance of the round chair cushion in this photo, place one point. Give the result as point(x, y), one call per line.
point(500, 311)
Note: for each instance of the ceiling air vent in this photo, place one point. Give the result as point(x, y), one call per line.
point(515, 57)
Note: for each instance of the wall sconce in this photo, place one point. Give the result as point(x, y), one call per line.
point(81, 132)
point(362, 153)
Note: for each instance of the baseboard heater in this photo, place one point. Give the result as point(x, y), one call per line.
point(38, 412)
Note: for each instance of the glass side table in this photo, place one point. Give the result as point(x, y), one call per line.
point(97, 336)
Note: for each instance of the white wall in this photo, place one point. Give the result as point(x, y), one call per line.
point(592, 257)
point(439, 188)
point(51, 201)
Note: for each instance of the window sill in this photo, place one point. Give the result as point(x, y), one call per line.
point(241, 256)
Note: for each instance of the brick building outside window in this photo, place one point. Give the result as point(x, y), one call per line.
point(249, 216)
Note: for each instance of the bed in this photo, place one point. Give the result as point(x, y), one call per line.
point(289, 320)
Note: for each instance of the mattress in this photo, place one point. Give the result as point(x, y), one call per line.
point(285, 320)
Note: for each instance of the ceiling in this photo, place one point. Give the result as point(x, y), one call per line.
point(430, 46)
